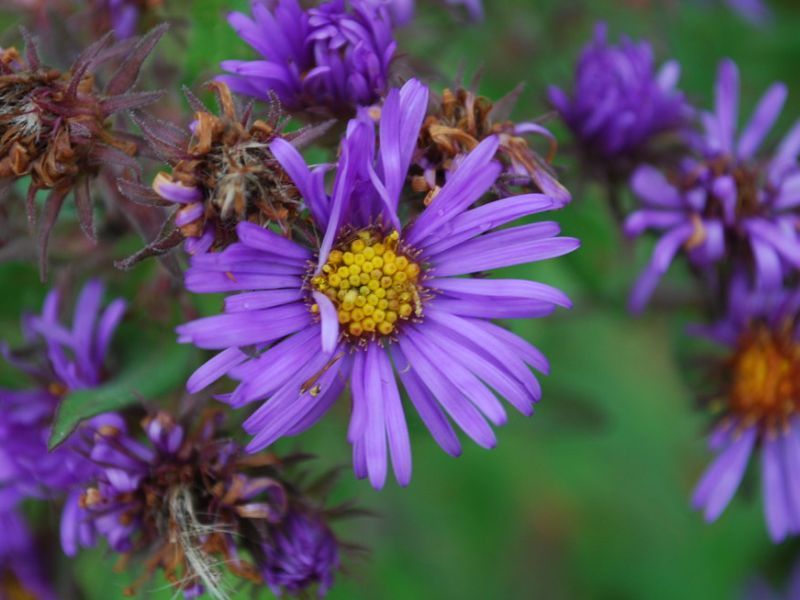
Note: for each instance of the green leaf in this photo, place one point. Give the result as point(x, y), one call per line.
point(159, 366)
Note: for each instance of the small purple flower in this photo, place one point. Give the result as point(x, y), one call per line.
point(620, 104)
point(376, 299)
point(21, 575)
point(726, 207)
point(73, 358)
point(760, 395)
point(193, 501)
point(302, 552)
point(322, 61)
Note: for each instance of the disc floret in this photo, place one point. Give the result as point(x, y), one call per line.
point(373, 282)
point(765, 383)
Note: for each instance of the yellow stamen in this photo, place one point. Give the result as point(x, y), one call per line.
point(372, 284)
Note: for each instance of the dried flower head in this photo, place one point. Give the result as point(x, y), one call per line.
point(222, 173)
point(192, 502)
point(55, 126)
point(462, 119)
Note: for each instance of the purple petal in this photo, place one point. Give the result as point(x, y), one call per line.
point(720, 481)
point(764, 117)
point(330, 321)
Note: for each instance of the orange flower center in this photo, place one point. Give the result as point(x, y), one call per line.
point(765, 373)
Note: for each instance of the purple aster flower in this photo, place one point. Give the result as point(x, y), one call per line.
point(323, 61)
point(73, 358)
point(726, 207)
point(21, 575)
point(193, 501)
point(376, 299)
point(759, 400)
point(302, 552)
point(620, 104)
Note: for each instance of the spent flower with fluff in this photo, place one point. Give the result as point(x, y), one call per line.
point(321, 62)
point(56, 127)
point(369, 299)
point(222, 173)
point(728, 207)
point(758, 406)
point(58, 359)
point(620, 106)
point(194, 505)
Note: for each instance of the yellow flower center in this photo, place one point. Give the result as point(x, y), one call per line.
point(765, 372)
point(372, 283)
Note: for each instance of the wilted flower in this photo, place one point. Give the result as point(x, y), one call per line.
point(194, 502)
point(223, 173)
point(620, 105)
point(21, 574)
point(759, 404)
point(460, 121)
point(55, 127)
point(72, 358)
point(727, 208)
point(325, 61)
point(377, 296)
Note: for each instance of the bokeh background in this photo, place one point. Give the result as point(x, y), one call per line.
point(589, 498)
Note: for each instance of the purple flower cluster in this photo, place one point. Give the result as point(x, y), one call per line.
point(620, 104)
point(323, 61)
point(378, 297)
point(729, 209)
point(71, 358)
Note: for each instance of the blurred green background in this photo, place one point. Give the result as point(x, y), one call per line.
point(590, 497)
